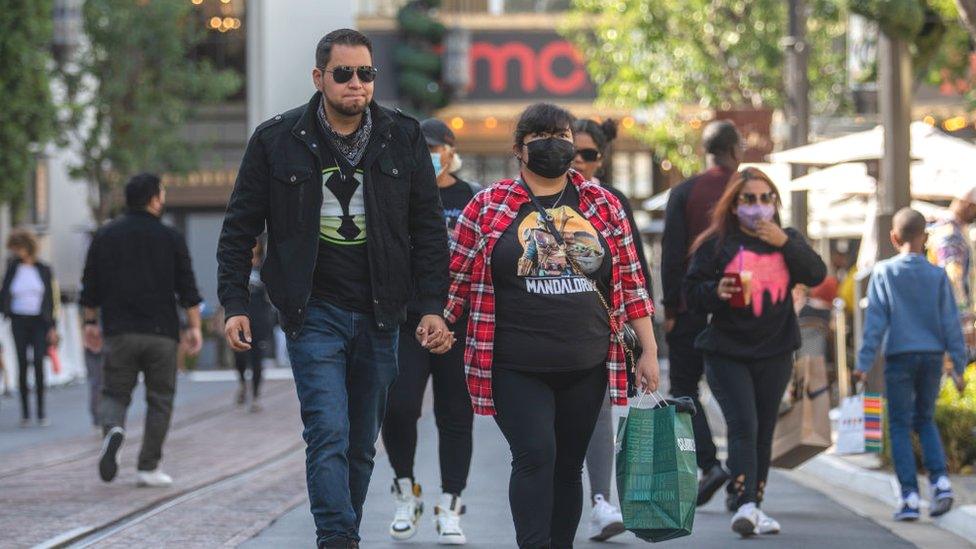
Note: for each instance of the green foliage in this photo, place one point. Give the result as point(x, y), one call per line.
point(133, 90)
point(897, 18)
point(26, 113)
point(717, 54)
point(418, 61)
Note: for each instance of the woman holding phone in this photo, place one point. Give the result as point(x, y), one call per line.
point(742, 272)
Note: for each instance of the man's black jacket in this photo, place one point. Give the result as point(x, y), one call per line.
point(136, 268)
point(279, 186)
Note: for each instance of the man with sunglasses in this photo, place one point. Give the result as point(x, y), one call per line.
point(347, 192)
point(688, 214)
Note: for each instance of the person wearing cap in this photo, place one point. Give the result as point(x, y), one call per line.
point(452, 407)
point(951, 249)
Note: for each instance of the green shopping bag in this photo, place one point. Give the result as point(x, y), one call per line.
point(657, 474)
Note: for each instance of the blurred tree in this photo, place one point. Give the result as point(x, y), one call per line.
point(418, 58)
point(133, 88)
point(967, 11)
point(663, 56)
point(27, 116)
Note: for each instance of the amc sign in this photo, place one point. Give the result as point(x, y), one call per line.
point(519, 66)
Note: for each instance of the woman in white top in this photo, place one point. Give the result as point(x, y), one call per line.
point(29, 299)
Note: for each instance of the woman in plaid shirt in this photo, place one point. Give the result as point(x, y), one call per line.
point(537, 260)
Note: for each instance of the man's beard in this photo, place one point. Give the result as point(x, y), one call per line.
point(346, 111)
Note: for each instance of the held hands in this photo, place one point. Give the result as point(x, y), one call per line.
point(727, 287)
point(434, 335)
point(648, 372)
point(771, 233)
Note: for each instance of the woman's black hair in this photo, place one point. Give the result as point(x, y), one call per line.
point(602, 133)
point(542, 118)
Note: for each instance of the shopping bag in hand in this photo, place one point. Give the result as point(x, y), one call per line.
point(850, 426)
point(874, 407)
point(52, 353)
point(657, 473)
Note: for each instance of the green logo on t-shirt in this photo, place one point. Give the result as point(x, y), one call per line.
point(343, 216)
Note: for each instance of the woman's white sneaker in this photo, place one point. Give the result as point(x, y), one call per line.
point(409, 508)
point(746, 520)
point(447, 520)
point(767, 524)
point(605, 520)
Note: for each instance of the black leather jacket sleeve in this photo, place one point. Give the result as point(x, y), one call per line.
point(244, 221)
point(428, 234)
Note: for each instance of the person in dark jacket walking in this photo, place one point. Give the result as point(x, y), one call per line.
point(30, 300)
point(260, 313)
point(592, 142)
point(742, 273)
point(688, 214)
point(347, 192)
point(135, 270)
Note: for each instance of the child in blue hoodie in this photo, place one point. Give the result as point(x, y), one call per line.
point(912, 317)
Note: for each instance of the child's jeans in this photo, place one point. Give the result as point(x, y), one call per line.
point(912, 383)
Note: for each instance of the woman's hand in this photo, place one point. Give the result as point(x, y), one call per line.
point(52, 337)
point(771, 233)
point(727, 287)
point(648, 374)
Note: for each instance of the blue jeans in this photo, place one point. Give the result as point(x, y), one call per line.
point(344, 366)
point(912, 382)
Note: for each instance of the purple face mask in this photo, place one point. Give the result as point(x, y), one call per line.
point(751, 214)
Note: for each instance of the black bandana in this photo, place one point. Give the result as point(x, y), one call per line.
point(351, 146)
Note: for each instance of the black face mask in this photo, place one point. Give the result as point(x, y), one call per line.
point(550, 157)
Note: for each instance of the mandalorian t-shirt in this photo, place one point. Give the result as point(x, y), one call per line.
point(549, 318)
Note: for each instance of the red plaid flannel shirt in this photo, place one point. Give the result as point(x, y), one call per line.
point(480, 226)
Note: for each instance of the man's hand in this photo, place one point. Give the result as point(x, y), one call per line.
point(771, 233)
point(93, 338)
point(726, 287)
point(960, 382)
point(648, 372)
point(433, 334)
point(233, 328)
point(193, 339)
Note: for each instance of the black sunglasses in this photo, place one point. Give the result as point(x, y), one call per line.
point(343, 74)
point(588, 155)
point(752, 198)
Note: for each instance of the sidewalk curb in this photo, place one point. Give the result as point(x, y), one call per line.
point(883, 487)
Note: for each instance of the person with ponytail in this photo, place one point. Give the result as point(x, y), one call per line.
point(547, 264)
point(742, 273)
point(592, 140)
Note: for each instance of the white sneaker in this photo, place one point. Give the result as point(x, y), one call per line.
point(447, 520)
point(767, 524)
point(746, 520)
point(153, 479)
point(409, 508)
point(605, 520)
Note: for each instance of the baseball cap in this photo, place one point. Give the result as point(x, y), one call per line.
point(436, 132)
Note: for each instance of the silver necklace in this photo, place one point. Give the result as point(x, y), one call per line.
point(556, 203)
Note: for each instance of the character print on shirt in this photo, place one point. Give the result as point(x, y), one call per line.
point(544, 263)
point(769, 274)
point(342, 219)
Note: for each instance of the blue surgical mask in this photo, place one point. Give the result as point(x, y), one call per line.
point(435, 159)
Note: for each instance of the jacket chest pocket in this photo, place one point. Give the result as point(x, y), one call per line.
point(393, 184)
point(292, 194)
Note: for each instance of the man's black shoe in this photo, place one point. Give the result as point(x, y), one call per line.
point(711, 481)
point(108, 463)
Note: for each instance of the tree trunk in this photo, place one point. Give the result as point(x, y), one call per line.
point(967, 12)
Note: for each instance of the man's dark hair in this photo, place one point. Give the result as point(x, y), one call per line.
point(721, 137)
point(141, 189)
point(542, 118)
point(342, 37)
point(602, 133)
point(908, 224)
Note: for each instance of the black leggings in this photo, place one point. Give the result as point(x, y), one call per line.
point(452, 409)
point(548, 420)
point(30, 331)
point(749, 393)
point(253, 358)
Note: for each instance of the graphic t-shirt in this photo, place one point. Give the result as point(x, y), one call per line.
point(549, 318)
point(949, 248)
point(342, 268)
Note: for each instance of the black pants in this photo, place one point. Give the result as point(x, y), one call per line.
point(30, 331)
point(252, 359)
point(749, 393)
point(685, 372)
point(548, 420)
point(452, 409)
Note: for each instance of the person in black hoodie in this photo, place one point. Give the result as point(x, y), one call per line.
point(29, 298)
point(742, 272)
